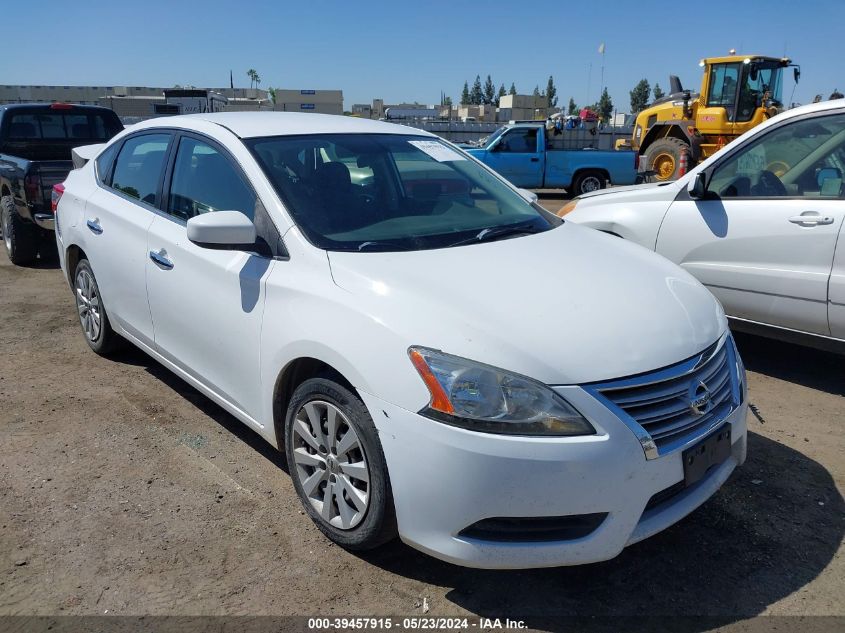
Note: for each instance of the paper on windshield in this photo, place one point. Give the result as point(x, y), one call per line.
point(439, 152)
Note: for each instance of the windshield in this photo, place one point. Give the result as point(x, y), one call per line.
point(380, 192)
point(764, 78)
point(486, 140)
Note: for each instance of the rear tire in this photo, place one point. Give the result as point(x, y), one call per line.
point(20, 238)
point(337, 465)
point(92, 313)
point(664, 158)
point(587, 181)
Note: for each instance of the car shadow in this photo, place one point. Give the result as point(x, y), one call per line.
point(131, 355)
point(772, 528)
point(806, 366)
point(740, 552)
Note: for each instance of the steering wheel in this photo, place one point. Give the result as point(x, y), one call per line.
point(768, 185)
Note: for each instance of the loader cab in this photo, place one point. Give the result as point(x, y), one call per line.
point(741, 87)
point(739, 92)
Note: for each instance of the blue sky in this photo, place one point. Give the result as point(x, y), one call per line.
point(410, 50)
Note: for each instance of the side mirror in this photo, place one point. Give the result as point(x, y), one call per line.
point(530, 196)
point(697, 187)
point(225, 230)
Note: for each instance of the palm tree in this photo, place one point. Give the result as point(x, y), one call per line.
point(253, 76)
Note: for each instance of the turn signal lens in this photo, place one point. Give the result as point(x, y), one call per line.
point(567, 208)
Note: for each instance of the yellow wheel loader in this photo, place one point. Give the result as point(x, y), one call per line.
point(737, 93)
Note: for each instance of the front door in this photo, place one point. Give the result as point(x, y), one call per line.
point(764, 240)
point(207, 305)
point(517, 157)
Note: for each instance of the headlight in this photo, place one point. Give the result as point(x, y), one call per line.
point(483, 398)
point(567, 208)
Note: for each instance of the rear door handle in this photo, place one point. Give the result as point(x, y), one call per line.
point(161, 260)
point(94, 225)
point(811, 218)
point(535, 160)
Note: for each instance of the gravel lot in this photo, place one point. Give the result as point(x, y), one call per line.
point(123, 490)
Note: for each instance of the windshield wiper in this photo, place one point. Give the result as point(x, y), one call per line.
point(498, 232)
point(381, 246)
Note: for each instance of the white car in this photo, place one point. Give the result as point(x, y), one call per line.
point(759, 223)
point(376, 303)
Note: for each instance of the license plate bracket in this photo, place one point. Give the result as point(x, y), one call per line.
point(710, 452)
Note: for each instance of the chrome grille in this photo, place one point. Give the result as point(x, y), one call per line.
point(671, 407)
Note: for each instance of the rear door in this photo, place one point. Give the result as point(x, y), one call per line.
point(764, 243)
point(115, 225)
point(207, 305)
point(519, 157)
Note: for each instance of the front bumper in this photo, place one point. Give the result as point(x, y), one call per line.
point(445, 479)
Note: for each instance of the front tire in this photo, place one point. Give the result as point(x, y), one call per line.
point(20, 238)
point(92, 313)
point(337, 465)
point(663, 157)
point(587, 181)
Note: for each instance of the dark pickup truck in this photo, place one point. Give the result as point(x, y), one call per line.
point(35, 153)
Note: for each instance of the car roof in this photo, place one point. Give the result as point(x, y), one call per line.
point(255, 124)
point(49, 106)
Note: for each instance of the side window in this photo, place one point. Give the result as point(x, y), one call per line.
point(805, 158)
point(205, 180)
point(138, 167)
point(104, 163)
point(520, 141)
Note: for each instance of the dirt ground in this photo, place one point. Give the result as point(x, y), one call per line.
point(125, 491)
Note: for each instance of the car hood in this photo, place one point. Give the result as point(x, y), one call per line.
point(646, 191)
point(566, 306)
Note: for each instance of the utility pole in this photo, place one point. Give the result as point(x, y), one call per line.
point(601, 87)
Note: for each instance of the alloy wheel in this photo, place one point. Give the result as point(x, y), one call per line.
point(330, 464)
point(88, 305)
point(591, 183)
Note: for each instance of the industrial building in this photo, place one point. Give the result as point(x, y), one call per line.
point(130, 101)
point(320, 101)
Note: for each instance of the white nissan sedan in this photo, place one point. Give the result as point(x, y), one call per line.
point(376, 303)
point(759, 223)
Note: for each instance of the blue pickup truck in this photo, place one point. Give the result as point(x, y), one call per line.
point(529, 157)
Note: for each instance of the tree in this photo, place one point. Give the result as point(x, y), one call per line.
point(502, 92)
point(536, 91)
point(476, 95)
point(605, 106)
point(512, 91)
point(572, 109)
point(447, 101)
point(272, 91)
point(465, 94)
point(489, 91)
point(836, 94)
point(639, 96)
point(253, 76)
point(658, 92)
point(551, 92)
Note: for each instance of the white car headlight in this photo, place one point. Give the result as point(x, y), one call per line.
point(483, 398)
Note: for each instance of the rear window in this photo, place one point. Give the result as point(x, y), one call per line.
point(58, 125)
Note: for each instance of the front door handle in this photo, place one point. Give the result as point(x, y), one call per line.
point(811, 218)
point(535, 160)
point(94, 225)
point(160, 259)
